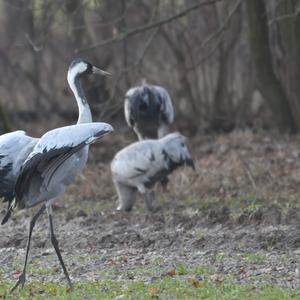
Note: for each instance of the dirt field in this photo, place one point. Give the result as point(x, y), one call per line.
point(237, 216)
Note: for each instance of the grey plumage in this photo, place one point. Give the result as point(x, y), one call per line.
point(55, 160)
point(140, 165)
point(149, 111)
point(14, 149)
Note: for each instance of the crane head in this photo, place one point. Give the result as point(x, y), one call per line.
point(79, 67)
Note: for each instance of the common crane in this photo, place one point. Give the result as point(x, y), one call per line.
point(140, 165)
point(149, 111)
point(14, 149)
point(55, 160)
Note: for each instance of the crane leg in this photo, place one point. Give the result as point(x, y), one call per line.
point(149, 199)
point(22, 277)
point(126, 196)
point(164, 183)
point(56, 247)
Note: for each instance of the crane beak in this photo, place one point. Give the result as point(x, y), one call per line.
point(96, 70)
point(189, 162)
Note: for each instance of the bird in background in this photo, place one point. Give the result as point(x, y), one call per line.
point(50, 163)
point(149, 111)
point(140, 165)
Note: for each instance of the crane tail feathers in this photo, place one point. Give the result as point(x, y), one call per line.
point(7, 216)
point(10, 208)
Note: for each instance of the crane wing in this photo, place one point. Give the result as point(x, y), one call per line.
point(127, 109)
point(71, 136)
point(53, 149)
point(14, 149)
point(167, 109)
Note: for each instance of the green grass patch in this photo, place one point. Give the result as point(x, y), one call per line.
point(182, 282)
point(240, 207)
point(167, 287)
point(254, 258)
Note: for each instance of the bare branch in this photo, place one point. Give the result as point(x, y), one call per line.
point(212, 36)
point(204, 58)
point(136, 64)
point(149, 26)
point(225, 24)
point(282, 18)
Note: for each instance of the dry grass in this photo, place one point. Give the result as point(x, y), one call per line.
point(241, 171)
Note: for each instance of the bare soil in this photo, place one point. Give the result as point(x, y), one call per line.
point(237, 216)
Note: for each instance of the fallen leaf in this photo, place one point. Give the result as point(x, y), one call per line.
point(195, 282)
point(171, 273)
point(56, 269)
point(111, 261)
point(17, 274)
point(242, 270)
point(56, 206)
point(216, 278)
point(153, 292)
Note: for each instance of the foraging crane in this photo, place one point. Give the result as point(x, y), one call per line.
point(56, 159)
point(140, 165)
point(149, 111)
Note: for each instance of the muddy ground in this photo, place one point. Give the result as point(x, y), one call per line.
point(237, 217)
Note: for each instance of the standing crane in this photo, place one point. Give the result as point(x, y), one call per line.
point(149, 111)
point(55, 160)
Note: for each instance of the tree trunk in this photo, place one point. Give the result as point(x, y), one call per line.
point(268, 84)
point(221, 117)
point(223, 113)
point(290, 31)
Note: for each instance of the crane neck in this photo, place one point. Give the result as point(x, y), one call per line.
point(85, 115)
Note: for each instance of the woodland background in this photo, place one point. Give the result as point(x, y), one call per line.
point(226, 63)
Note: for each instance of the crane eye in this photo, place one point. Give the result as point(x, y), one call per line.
point(182, 144)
